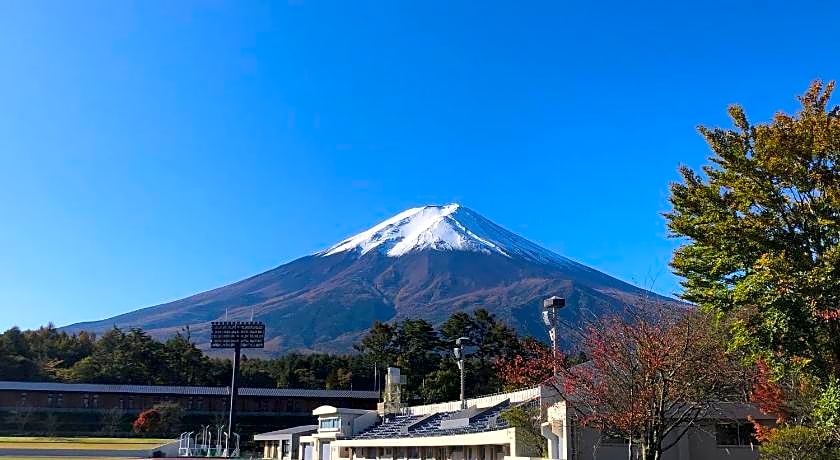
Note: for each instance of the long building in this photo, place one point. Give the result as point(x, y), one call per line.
point(92, 398)
point(478, 430)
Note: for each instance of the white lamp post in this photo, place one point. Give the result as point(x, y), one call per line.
point(549, 314)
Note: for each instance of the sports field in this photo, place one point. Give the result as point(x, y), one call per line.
point(13, 442)
point(43, 448)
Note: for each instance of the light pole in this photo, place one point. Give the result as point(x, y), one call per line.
point(549, 314)
point(459, 355)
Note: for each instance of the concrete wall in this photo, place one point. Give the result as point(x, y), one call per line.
point(697, 444)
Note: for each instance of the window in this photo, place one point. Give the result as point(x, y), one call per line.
point(430, 453)
point(388, 452)
point(51, 400)
point(199, 403)
point(86, 401)
point(332, 423)
point(286, 448)
point(370, 452)
point(612, 438)
point(23, 397)
point(95, 401)
point(735, 434)
point(131, 402)
point(413, 452)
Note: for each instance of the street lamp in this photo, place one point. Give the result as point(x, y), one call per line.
point(549, 315)
point(459, 355)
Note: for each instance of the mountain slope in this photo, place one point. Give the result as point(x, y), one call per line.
point(425, 262)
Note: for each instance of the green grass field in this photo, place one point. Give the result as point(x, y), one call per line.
point(21, 442)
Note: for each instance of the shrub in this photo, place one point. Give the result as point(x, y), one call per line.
point(163, 419)
point(798, 443)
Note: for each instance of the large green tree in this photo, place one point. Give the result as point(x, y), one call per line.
point(761, 227)
point(491, 340)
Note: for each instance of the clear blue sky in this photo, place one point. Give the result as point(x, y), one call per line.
point(150, 150)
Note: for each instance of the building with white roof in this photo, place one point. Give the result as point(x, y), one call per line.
point(482, 432)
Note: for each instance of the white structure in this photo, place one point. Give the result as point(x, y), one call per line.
point(480, 432)
point(283, 444)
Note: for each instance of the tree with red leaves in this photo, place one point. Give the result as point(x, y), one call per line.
point(163, 419)
point(148, 422)
point(532, 366)
point(648, 380)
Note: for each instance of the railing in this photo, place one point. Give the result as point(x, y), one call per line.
point(480, 402)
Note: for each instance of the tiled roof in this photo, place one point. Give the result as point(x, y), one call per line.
point(184, 390)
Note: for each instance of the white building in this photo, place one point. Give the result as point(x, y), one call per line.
point(480, 432)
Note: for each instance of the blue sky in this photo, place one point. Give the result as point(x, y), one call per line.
point(151, 150)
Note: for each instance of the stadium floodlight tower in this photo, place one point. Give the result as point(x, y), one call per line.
point(236, 335)
point(550, 318)
point(459, 355)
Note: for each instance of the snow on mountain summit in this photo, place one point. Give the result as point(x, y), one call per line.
point(444, 228)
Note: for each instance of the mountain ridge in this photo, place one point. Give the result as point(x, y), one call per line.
point(426, 262)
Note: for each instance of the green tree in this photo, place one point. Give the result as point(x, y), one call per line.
point(16, 360)
point(761, 233)
point(120, 357)
point(442, 384)
point(492, 340)
point(527, 422)
point(184, 362)
point(413, 345)
point(377, 346)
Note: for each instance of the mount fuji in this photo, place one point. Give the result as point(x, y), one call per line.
point(426, 262)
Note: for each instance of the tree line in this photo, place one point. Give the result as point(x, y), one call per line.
point(132, 356)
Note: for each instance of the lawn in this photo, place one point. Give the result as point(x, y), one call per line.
point(22, 442)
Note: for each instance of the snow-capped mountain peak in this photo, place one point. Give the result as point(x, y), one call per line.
point(445, 228)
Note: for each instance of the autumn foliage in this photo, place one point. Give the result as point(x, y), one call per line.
point(163, 419)
point(148, 422)
point(647, 377)
point(532, 366)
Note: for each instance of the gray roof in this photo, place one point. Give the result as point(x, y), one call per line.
point(304, 393)
point(286, 433)
point(412, 426)
point(184, 390)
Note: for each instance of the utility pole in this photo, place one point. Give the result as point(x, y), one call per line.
point(549, 314)
point(459, 355)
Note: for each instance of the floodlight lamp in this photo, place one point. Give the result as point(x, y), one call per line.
point(554, 302)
